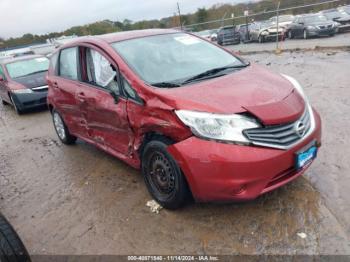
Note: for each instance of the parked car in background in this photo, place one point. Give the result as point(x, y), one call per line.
point(283, 20)
point(228, 35)
point(265, 31)
point(198, 120)
point(23, 83)
point(205, 34)
point(311, 25)
point(339, 16)
point(244, 32)
point(214, 35)
point(345, 8)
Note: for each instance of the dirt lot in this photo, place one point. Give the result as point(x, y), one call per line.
point(79, 200)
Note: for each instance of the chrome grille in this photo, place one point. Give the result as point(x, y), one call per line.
point(280, 135)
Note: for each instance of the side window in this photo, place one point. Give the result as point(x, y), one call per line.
point(100, 72)
point(128, 89)
point(130, 92)
point(69, 63)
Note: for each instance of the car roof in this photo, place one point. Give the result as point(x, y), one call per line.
point(19, 58)
point(127, 35)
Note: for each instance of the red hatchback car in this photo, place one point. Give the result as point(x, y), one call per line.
point(195, 118)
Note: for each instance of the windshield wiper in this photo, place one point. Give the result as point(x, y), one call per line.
point(212, 73)
point(36, 72)
point(166, 84)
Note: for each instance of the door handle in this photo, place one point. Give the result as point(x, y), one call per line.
point(81, 97)
point(55, 85)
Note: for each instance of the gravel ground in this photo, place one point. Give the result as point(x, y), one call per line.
point(79, 200)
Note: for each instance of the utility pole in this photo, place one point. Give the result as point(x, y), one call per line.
point(178, 10)
point(278, 13)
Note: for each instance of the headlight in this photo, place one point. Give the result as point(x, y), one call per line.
point(300, 90)
point(22, 91)
point(218, 126)
point(264, 33)
point(310, 27)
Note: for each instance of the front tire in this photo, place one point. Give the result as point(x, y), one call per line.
point(18, 111)
point(163, 177)
point(11, 246)
point(290, 34)
point(261, 39)
point(62, 129)
point(305, 34)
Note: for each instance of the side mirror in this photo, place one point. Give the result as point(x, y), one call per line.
point(115, 96)
point(301, 23)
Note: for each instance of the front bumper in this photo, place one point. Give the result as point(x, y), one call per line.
point(227, 172)
point(344, 28)
point(273, 36)
point(29, 100)
point(322, 32)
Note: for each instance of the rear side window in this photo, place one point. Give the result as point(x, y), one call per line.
point(54, 62)
point(69, 63)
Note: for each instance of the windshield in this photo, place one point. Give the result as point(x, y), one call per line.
point(315, 18)
point(333, 14)
point(172, 57)
point(27, 67)
point(283, 18)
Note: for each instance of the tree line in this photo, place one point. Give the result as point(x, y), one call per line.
point(217, 11)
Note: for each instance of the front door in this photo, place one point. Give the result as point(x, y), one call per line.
point(102, 103)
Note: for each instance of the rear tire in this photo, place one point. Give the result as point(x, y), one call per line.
point(11, 246)
point(61, 129)
point(162, 175)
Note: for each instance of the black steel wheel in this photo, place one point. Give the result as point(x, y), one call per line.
point(163, 176)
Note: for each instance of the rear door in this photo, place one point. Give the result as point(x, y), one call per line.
point(64, 86)
point(299, 27)
point(102, 102)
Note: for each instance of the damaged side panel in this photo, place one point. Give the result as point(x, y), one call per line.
point(156, 118)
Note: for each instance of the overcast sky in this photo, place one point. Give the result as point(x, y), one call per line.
point(44, 16)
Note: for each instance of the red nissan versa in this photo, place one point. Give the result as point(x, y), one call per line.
point(195, 118)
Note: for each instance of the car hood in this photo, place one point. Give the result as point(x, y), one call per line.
point(31, 81)
point(268, 96)
point(344, 18)
point(322, 23)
